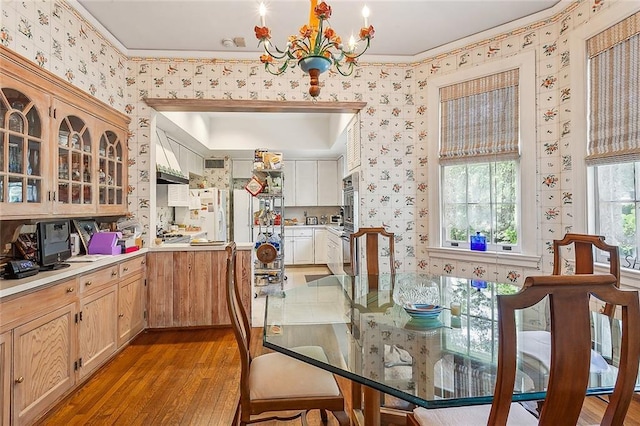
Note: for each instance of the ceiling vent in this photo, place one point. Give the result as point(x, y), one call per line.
point(214, 163)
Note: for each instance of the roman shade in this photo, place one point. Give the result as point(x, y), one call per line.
point(479, 118)
point(614, 79)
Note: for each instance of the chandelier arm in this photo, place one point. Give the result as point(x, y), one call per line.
point(345, 73)
point(361, 53)
point(280, 55)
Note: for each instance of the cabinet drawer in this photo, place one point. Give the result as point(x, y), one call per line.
point(97, 279)
point(132, 266)
point(308, 232)
point(16, 311)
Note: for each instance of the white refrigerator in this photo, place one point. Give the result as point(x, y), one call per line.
point(242, 215)
point(211, 215)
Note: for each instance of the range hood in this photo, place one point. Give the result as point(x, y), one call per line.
point(167, 166)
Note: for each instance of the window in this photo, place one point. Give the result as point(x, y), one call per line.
point(613, 142)
point(482, 156)
point(480, 197)
point(478, 144)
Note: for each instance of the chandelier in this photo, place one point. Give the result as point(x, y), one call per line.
point(315, 48)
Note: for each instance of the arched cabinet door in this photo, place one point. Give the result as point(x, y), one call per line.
point(75, 161)
point(24, 155)
point(112, 172)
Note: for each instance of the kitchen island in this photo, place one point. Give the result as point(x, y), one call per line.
point(186, 284)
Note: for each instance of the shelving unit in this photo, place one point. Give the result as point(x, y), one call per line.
point(268, 221)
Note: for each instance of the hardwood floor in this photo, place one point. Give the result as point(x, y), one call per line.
point(186, 378)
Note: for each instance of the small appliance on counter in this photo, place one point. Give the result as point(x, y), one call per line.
point(335, 219)
point(311, 220)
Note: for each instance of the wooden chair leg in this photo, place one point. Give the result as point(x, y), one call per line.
point(323, 416)
point(342, 417)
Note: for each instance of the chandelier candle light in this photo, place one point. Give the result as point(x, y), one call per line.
point(315, 48)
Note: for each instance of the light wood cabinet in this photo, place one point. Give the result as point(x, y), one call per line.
point(5, 377)
point(97, 322)
point(187, 288)
point(131, 299)
point(43, 362)
point(53, 338)
point(61, 151)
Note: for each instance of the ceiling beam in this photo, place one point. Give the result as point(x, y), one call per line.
point(225, 105)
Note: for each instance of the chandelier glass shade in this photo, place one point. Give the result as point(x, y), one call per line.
point(315, 48)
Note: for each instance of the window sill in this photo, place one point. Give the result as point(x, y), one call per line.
point(513, 259)
point(629, 278)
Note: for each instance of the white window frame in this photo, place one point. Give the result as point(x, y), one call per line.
point(583, 176)
point(527, 220)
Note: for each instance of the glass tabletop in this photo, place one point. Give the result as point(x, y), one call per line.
point(378, 331)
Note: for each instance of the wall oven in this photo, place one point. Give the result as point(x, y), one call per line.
point(350, 203)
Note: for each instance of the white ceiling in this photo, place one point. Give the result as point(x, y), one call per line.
point(405, 31)
point(403, 28)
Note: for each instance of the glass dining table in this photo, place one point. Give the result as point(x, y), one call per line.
point(441, 358)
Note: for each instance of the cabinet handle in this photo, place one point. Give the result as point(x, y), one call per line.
point(114, 273)
point(20, 379)
point(120, 315)
point(70, 290)
point(125, 269)
point(88, 283)
point(144, 262)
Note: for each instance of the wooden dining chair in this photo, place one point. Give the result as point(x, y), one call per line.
point(365, 247)
point(370, 256)
point(583, 262)
point(275, 386)
point(570, 355)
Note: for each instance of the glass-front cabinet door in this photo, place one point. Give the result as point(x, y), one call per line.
point(75, 161)
point(24, 189)
point(111, 172)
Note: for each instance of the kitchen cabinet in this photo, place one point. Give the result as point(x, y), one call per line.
point(131, 297)
point(334, 253)
point(300, 246)
point(312, 183)
point(5, 377)
point(97, 318)
point(341, 175)
point(306, 191)
point(290, 185)
point(43, 362)
point(190, 161)
point(97, 328)
point(63, 149)
point(320, 246)
point(187, 288)
point(327, 179)
point(53, 338)
point(353, 144)
point(242, 169)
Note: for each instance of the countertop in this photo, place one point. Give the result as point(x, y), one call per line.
point(189, 247)
point(9, 287)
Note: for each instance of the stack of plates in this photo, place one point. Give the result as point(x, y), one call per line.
point(422, 311)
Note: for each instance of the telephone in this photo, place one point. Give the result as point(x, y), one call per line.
point(16, 269)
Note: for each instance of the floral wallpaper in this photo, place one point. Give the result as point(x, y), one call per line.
point(394, 128)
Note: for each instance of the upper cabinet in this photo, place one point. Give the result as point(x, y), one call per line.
point(353, 144)
point(61, 151)
point(312, 183)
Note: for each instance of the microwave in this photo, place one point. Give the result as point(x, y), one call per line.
point(335, 219)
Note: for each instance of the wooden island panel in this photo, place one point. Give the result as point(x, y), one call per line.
point(187, 288)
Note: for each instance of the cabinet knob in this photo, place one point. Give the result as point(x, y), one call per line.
point(20, 379)
point(126, 269)
point(144, 262)
point(114, 273)
point(88, 283)
point(120, 315)
point(70, 290)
